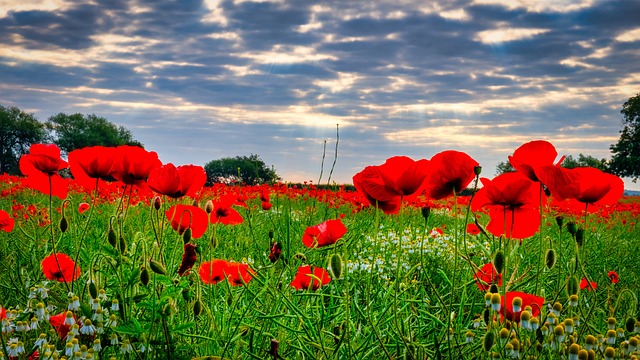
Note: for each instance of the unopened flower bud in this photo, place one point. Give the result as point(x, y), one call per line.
point(197, 308)
point(336, 266)
point(112, 238)
point(426, 211)
point(498, 261)
point(580, 236)
point(572, 285)
point(144, 276)
point(186, 236)
point(64, 224)
point(157, 202)
point(572, 228)
point(93, 290)
point(489, 341)
point(551, 258)
point(122, 245)
point(157, 267)
point(208, 207)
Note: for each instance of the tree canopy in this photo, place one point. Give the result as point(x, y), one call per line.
point(250, 170)
point(76, 131)
point(569, 162)
point(18, 130)
point(625, 161)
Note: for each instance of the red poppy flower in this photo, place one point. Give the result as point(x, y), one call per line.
point(613, 276)
point(6, 221)
point(188, 259)
point(486, 276)
point(530, 157)
point(133, 164)
point(403, 175)
point(584, 184)
point(177, 182)
point(212, 272)
point(91, 163)
point(308, 278)
point(589, 285)
point(449, 171)
point(266, 206)
point(223, 212)
point(183, 217)
point(82, 207)
point(238, 273)
point(326, 233)
point(513, 203)
point(3, 313)
point(369, 182)
point(60, 267)
point(473, 229)
point(535, 302)
point(57, 322)
point(41, 168)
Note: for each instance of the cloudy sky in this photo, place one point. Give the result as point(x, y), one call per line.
point(197, 80)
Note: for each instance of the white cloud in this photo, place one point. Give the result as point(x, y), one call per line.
point(540, 5)
point(507, 34)
point(629, 36)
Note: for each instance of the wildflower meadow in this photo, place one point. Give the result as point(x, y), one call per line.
point(112, 254)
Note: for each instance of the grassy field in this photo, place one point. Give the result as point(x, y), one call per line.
point(396, 286)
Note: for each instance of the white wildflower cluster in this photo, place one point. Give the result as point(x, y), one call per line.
point(65, 331)
point(382, 254)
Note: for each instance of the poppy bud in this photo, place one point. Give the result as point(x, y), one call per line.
point(630, 324)
point(167, 310)
point(122, 245)
point(300, 256)
point(93, 290)
point(488, 341)
point(208, 207)
point(157, 202)
point(186, 236)
point(572, 228)
point(144, 276)
point(551, 258)
point(64, 224)
point(157, 267)
point(477, 170)
point(186, 294)
point(559, 221)
point(197, 308)
point(336, 266)
point(494, 289)
point(580, 236)
point(112, 238)
point(426, 211)
point(485, 315)
point(498, 261)
point(572, 285)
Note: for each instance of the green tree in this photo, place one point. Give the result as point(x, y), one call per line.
point(250, 170)
point(76, 131)
point(625, 161)
point(504, 167)
point(585, 160)
point(18, 130)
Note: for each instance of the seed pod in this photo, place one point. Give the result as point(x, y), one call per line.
point(572, 286)
point(208, 207)
point(186, 236)
point(572, 228)
point(112, 238)
point(64, 224)
point(551, 258)
point(477, 170)
point(144, 276)
point(167, 310)
point(498, 261)
point(197, 308)
point(93, 290)
point(559, 220)
point(488, 341)
point(336, 266)
point(122, 245)
point(157, 267)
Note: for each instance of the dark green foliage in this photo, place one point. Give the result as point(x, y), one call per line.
point(504, 167)
point(249, 170)
point(76, 131)
point(625, 161)
point(585, 160)
point(18, 130)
